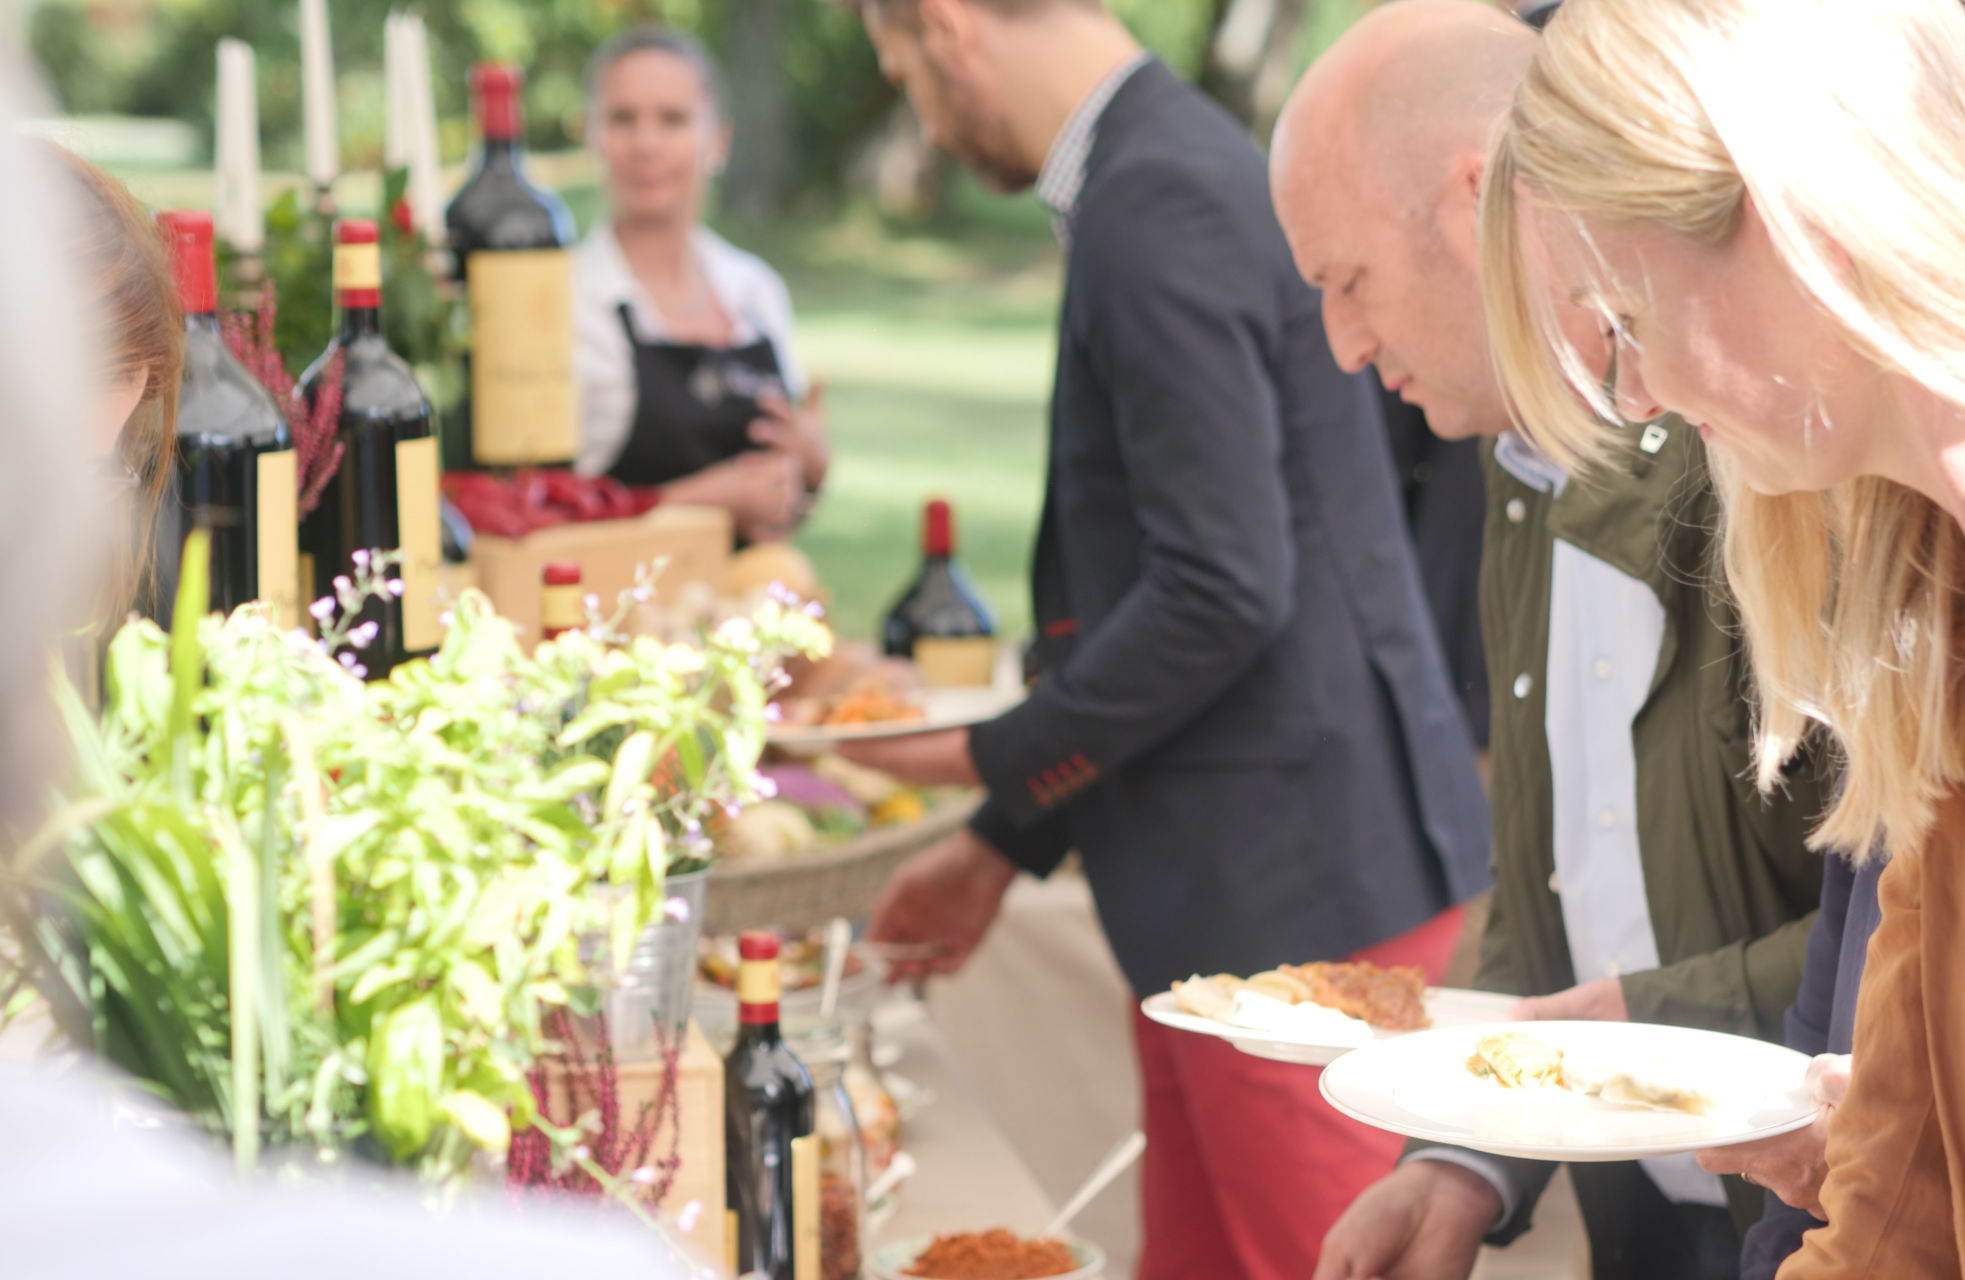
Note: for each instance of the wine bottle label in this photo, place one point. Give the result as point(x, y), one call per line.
point(805, 1239)
point(278, 535)
point(524, 401)
point(562, 609)
point(757, 983)
point(730, 1240)
point(421, 530)
point(960, 662)
point(357, 266)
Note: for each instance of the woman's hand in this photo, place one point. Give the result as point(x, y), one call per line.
point(1794, 1165)
point(1598, 1001)
point(798, 429)
point(760, 488)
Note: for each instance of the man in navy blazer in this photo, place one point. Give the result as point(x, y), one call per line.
point(1244, 724)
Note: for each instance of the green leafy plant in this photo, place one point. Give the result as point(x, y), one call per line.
point(309, 910)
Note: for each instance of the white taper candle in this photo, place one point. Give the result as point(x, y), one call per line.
point(395, 70)
point(425, 175)
point(317, 94)
point(241, 218)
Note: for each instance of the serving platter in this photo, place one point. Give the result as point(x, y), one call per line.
point(940, 709)
point(1446, 1006)
point(1419, 1085)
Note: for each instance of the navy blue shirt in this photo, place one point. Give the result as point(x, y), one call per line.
point(1823, 1020)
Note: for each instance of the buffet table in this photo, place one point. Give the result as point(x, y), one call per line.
point(970, 1177)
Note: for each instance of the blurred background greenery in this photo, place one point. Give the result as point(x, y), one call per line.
point(927, 303)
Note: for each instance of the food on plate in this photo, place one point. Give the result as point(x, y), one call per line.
point(767, 832)
point(1519, 1061)
point(1516, 1061)
point(1313, 1022)
point(873, 698)
point(992, 1255)
point(1392, 999)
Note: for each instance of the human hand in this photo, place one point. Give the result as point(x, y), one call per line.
point(798, 429)
point(933, 759)
point(1423, 1221)
point(1599, 1001)
point(940, 903)
point(762, 490)
point(1794, 1165)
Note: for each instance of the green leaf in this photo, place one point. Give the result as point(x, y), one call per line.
point(482, 1122)
point(477, 993)
point(405, 1072)
point(187, 653)
point(631, 768)
point(380, 977)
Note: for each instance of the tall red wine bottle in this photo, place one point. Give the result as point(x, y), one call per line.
point(941, 622)
point(771, 1154)
point(511, 242)
point(385, 495)
point(236, 472)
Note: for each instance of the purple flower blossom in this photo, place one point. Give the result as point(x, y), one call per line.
point(782, 594)
point(395, 587)
point(342, 585)
point(773, 713)
point(766, 787)
point(364, 636)
point(642, 595)
point(446, 618)
point(644, 1175)
point(592, 602)
point(348, 661)
point(687, 1218)
point(361, 559)
point(677, 909)
point(322, 609)
point(813, 609)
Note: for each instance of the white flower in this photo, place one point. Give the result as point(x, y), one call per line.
point(766, 787)
point(644, 1175)
point(687, 1218)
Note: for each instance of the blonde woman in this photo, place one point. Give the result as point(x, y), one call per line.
point(1761, 199)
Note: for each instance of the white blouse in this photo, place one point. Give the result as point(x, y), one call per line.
point(748, 290)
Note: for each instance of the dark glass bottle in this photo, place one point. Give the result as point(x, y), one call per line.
point(942, 622)
point(236, 472)
point(386, 493)
point(511, 240)
point(771, 1152)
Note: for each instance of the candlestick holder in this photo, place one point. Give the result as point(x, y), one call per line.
point(245, 280)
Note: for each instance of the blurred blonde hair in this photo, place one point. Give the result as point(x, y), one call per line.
point(1844, 122)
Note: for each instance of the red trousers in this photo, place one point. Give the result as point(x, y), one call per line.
point(1246, 1165)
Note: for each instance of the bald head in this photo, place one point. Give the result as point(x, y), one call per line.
point(1376, 168)
point(1411, 87)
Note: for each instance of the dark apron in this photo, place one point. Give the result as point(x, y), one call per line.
point(694, 405)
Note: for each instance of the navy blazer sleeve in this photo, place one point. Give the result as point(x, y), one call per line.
point(1182, 322)
point(1778, 1233)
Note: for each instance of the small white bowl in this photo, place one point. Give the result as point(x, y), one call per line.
point(890, 1262)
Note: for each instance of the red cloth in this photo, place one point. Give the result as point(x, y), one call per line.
point(1246, 1165)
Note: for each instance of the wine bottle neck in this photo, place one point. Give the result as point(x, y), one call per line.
point(763, 1031)
point(502, 153)
point(360, 321)
point(203, 322)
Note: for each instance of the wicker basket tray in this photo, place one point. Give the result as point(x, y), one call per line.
point(805, 891)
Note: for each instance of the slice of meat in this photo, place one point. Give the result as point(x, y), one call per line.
point(1394, 999)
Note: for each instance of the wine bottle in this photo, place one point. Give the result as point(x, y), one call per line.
point(942, 622)
point(236, 472)
point(510, 240)
point(770, 1150)
point(384, 497)
point(561, 606)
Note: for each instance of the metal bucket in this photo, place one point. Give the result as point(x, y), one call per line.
point(648, 1005)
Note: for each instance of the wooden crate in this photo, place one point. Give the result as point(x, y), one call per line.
point(699, 1103)
point(694, 541)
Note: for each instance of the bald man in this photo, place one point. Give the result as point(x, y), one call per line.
point(1636, 875)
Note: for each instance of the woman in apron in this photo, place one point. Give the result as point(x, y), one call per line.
point(688, 379)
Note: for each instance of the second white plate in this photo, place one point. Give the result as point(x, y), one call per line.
point(941, 709)
point(1447, 1006)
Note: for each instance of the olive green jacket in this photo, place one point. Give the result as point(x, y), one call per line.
point(1731, 885)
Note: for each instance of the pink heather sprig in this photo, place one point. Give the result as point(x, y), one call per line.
point(612, 1161)
point(316, 440)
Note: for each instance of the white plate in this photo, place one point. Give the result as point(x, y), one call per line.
point(890, 1262)
point(1419, 1085)
point(1447, 1006)
point(941, 708)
